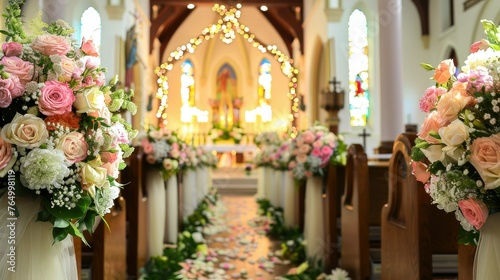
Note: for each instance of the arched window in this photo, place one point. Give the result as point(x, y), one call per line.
point(91, 29)
point(359, 95)
point(265, 79)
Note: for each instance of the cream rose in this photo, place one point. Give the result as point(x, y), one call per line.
point(8, 157)
point(27, 131)
point(73, 146)
point(485, 157)
point(90, 100)
point(454, 134)
point(433, 153)
point(93, 175)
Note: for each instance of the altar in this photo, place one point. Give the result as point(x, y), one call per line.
point(231, 154)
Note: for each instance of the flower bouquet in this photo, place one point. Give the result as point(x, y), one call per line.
point(457, 152)
point(162, 149)
point(217, 134)
point(267, 138)
point(62, 139)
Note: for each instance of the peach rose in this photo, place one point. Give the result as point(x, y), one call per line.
point(12, 49)
point(444, 71)
point(88, 47)
point(56, 99)
point(112, 164)
point(147, 146)
point(308, 137)
point(27, 131)
point(151, 159)
point(5, 98)
point(420, 171)
point(49, 44)
point(73, 146)
point(68, 67)
point(479, 45)
point(474, 211)
point(8, 157)
point(304, 149)
point(485, 157)
point(450, 104)
point(18, 67)
point(431, 123)
point(301, 158)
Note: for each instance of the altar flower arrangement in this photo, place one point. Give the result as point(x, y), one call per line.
point(457, 152)
point(62, 137)
point(267, 138)
point(162, 149)
point(235, 133)
point(312, 151)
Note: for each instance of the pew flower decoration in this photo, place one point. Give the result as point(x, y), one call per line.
point(312, 151)
point(206, 158)
point(163, 150)
point(62, 138)
point(282, 156)
point(267, 138)
point(457, 152)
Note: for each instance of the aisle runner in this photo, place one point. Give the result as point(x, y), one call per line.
point(235, 249)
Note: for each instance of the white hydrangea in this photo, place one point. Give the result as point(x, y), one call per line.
point(477, 59)
point(338, 274)
point(44, 169)
point(104, 198)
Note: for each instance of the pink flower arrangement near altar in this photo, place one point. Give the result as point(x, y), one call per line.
point(163, 150)
point(312, 151)
point(457, 152)
point(62, 136)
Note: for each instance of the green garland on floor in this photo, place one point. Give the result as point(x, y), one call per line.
point(166, 267)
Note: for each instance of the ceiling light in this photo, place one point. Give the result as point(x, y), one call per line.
point(263, 8)
point(191, 6)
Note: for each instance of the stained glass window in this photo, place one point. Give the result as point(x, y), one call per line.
point(91, 29)
point(359, 94)
point(265, 79)
point(187, 90)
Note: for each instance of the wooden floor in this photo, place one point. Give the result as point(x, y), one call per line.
point(244, 242)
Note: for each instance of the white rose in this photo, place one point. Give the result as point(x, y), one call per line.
point(433, 153)
point(89, 101)
point(454, 134)
point(451, 154)
point(93, 176)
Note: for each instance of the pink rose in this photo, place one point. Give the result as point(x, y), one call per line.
point(13, 85)
point(56, 99)
point(420, 171)
point(317, 144)
point(7, 158)
point(304, 149)
point(175, 153)
point(12, 49)
point(444, 71)
point(474, 211)
point(112, 166)
point(431, 123)
point(327, 151)
point(49, 44)
point(73, 146)
point(147, 146)
point(316, 151)
point(308, 137)
point(18, 67)
point(5, 98)
point(88, 47)
point(150, 159)
point(292, 164)
point(479, 45)
point(485, 157)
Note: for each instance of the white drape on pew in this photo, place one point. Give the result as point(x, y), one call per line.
point(189, 191)
point(487, 260)
point(36, 256)
point(156, 211)
point(261, 182)
point(289, 194)
point(275, 188)
point(172, 215)
point(203, 182)
point(313, 221)
point(268, 182)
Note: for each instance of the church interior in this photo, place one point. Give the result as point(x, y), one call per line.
point(224, 77)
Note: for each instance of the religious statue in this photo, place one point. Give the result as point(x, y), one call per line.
point(226, 91)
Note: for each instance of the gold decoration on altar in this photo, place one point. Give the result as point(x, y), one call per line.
point(227, 27)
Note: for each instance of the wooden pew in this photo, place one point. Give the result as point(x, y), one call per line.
point(331, 204)
point(135, 194)
point(364, 195)
point(413, 230)
point(77, 242)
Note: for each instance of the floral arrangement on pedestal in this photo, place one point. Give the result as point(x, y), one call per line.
point(217, 134)
point(63, 139)
point(313, 149)
point(457, 152)
point(267, 138)
point(163, 150)
point(207, 158)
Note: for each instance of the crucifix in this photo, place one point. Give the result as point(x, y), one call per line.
point(334, 82)
point(364, 135)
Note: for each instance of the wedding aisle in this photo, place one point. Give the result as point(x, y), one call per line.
point(243, 251)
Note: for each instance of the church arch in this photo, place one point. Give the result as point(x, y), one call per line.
point(489, 11)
